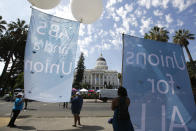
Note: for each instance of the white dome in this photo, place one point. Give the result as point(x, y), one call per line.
point(101, 63)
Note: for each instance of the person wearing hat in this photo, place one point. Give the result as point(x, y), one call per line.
point(76, 106)
point(18, 106)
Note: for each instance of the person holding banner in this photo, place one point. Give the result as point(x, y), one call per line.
point(76, 106)
point(18, 106)
point(121, 119)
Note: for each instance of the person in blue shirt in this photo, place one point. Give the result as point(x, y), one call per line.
point(76, 106)
point(18, 106)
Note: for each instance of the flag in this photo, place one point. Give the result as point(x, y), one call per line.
point(50, 57)
point(158, 85)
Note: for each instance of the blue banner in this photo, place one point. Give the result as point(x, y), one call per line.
point(50, 57)
point(155, 76)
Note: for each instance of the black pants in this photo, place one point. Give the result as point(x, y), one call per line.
point(14, 116)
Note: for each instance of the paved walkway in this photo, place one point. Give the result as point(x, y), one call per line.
point(57, 124)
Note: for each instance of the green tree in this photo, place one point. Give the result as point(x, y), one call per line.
point(2, 25)
point(120, 78)
point(158, 34)
point(2, 29)
point(181, 37)
point(18, 30)
point(19, 82)
point(13, 44)
point(192, 73)
point(79, 72)
point(85, 85)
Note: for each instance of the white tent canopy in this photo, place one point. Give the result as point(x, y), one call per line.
point(98, 91)
point(83, 90)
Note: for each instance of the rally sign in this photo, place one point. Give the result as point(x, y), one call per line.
point(50, 57)
point(158, 85)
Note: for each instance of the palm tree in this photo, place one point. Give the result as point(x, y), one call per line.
point(157, 33)
point(15, 40)
point(181, 37)
point(2, 23)
point(17, 28)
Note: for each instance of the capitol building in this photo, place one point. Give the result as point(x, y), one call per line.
point(100, 77)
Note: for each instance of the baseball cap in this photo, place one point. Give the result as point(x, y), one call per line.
point(20, 94)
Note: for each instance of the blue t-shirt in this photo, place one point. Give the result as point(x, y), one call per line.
point(18, 105)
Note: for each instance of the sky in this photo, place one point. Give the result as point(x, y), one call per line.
point(133, 17)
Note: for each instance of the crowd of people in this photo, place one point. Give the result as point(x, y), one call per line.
point(120, 121)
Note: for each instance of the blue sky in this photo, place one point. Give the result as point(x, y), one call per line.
point(134, 17)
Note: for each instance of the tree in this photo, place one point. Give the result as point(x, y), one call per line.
point(192, 73)
point(157, 33)
point(79, 72)
point(85, 85)
point(12, 44)
point(181, 37)
point(19, 82)
point(2, 25)
point(120, 78)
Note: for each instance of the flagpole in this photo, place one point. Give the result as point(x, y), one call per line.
point(122, 59)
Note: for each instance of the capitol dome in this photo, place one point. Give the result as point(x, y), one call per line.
point(101, 63)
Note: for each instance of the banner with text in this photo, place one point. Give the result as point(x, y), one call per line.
point(158, 85)
point(50, 57)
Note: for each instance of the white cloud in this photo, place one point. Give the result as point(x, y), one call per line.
point(63, 10)
point(182, 4)
point(110, 3)
point(145, 3)
point(133, 20)
point(129, 7)
point(180, 23)
point(121, 12)
point(157, 13)
point(119, 1)
point(117, 19)
point(112, 33)
point(126, 25)
point(165, 3)
point(110, 13)
point(120, 30)
point(92, 50)
point(171, 31)
point(145, 25)
point(154, 3)
point(106, 46)
point(160, 24)
point(103, 46)
point(83, 44)
point(115, 38)
point(138, 12)
point(168, 18)
point(116, 42)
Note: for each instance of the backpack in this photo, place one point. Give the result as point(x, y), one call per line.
point(122, 113)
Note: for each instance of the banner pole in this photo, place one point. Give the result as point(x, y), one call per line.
point(122, 59)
